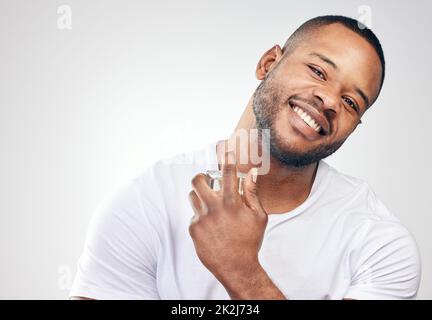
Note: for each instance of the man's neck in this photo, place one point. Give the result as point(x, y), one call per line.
point(283, 188)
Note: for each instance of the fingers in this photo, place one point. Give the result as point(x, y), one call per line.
point(201, 196)
point(196, 203)
point(250, 193)
point(229, 177)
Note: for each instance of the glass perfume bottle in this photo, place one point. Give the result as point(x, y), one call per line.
point(215, 179)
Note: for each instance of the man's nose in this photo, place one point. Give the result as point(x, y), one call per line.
point(328, 100)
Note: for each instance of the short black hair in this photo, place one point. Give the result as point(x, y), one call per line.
point(349, 23)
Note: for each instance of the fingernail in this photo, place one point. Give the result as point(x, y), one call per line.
point(231, 158)
point(254, 172)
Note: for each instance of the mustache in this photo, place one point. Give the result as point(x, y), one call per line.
point(308, 100)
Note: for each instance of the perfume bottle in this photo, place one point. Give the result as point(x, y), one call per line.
point(215, 179)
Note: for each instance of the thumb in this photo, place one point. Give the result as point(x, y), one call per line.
point(250, 193)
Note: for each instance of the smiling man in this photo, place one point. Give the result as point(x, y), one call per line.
point(302, 230)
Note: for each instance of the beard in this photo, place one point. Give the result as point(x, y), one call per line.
point(266, 106)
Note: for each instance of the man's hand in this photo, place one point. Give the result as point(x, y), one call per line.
point(227, 231)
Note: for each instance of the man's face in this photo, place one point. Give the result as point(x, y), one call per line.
point(314, 97)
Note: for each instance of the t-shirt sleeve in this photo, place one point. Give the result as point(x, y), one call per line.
point(120, 251)
point(386, 265)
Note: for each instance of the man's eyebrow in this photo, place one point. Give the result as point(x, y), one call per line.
point(324, 58)
point(363, 95)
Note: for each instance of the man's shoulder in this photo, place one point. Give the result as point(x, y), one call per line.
point(159, 186)
point(344, 181)
point(379, 229)
point(169, 170)
point(159, 182)
point(359, 197)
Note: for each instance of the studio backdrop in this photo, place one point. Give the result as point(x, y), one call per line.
point(93, 92)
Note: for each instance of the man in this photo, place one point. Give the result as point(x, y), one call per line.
point(302, 230)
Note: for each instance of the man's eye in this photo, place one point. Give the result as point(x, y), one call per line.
point(317, 72)
point(350, 103)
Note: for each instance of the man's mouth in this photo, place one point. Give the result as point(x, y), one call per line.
point(311, 117)
point(307, 118)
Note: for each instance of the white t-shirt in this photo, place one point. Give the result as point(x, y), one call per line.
point(340, 243)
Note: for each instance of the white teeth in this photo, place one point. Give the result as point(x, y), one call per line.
point(307, 119)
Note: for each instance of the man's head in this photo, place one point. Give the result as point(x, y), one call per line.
point(315, 90)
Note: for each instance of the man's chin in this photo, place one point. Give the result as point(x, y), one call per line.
point(301, 158)
point(293, 159)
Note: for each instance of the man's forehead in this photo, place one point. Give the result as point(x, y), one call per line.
point(342, 43)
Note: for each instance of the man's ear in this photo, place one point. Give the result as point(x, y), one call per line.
point(267, 62)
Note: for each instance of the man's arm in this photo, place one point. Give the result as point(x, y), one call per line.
point(252, 284)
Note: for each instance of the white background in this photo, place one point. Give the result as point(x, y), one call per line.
point(83, 110)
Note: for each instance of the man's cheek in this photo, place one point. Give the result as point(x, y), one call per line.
point(298, 85)
point(342, 128)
